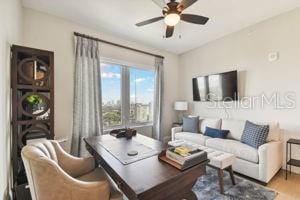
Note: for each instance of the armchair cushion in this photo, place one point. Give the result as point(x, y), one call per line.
point(98, 174)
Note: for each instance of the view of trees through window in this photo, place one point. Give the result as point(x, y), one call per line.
point(135, 94)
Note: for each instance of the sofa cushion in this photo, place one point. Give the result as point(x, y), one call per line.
point(196, 138)
point(190, 124)
point(235, 127)
point(216, 133)
point(209, 122)
point(255, 135)
point(240, 150)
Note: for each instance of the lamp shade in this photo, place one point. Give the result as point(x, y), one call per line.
point(181, 105)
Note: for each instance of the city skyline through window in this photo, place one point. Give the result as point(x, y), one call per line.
point(111, 94)
point(141, 95)
point(127, 95)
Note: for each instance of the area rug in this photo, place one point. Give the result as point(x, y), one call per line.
point(207, 188)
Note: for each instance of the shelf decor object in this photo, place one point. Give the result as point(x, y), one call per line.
point(289, 160)
point(32, 84)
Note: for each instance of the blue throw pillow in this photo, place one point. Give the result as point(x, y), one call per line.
point(190, 124)
point(216, 133)
point(255, 135)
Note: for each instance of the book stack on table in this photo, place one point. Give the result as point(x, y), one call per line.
point(183, 154)
point(183, 157)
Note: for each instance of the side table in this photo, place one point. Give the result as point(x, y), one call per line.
point(289, 160)
point(176, 124)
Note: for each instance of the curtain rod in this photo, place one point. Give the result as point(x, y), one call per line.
point(118, 45)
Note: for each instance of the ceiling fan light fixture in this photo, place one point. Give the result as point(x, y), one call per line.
point(172, 19)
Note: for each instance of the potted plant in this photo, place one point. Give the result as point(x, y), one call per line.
point(34, 101)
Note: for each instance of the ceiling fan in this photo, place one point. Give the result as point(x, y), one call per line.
point(172, 14)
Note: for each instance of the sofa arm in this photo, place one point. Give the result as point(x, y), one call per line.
point(176, 130)
point(270, 159)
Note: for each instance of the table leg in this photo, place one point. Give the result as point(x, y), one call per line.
point(290, 158)
point(186, 194)
point(231, 174)
point(190, 195)
point(221, 183)
point(286, 159)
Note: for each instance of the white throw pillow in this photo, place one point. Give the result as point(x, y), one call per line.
point(236, 128)
point(209, 122)
point(274, 131)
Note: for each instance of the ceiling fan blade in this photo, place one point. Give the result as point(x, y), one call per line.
point(195, 19)
point(184, 4)
point(160, 3)
point(149, 21)
point(169, 31)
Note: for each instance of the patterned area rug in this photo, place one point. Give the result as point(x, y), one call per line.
point(207, 188)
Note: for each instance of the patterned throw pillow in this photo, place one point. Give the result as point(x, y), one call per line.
point(255, 135)
point(190, 124)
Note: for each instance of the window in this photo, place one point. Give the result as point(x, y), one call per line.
point(141, 95)
point(127, 96)
point(111, 95)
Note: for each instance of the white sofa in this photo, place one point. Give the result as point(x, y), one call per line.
point(261, 164)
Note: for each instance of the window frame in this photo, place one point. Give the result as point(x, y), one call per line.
point(125, 91)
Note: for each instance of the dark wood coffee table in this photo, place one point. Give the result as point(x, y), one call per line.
point(147, 179)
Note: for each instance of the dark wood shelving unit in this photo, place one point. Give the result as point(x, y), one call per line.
point(32, 84)
point(29, 88)
point(289, 160)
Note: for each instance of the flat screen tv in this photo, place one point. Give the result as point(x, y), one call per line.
point(216, 87)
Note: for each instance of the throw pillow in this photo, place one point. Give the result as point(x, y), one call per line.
point(190, 124)
point(255, 135)
point(216, 133)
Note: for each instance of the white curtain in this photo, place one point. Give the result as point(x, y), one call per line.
point(87, 112)
point(158, 98)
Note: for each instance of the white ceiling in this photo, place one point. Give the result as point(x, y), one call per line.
point(119, 17)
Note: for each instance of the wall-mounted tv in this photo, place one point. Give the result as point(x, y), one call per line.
point(216, 87)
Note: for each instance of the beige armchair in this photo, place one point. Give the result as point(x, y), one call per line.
point(55, 175)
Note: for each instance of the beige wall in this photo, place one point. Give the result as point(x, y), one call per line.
point(247, 51)
point(56, 34)
point(10, 33)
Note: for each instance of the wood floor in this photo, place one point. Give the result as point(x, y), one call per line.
point(287, 189)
